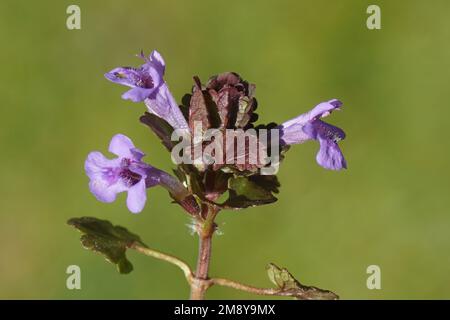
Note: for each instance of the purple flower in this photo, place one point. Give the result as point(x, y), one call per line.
point(147, 84)
point(309, 126)
point(127, 172)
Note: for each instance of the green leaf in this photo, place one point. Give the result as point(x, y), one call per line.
point(267, 182)
point(109, 240)
point(288, 285)
point(281, 277)
point(216, 183)
point(246, 193)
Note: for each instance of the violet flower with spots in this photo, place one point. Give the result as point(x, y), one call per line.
point(308, 126)
point(147, 84)
point(127, 172)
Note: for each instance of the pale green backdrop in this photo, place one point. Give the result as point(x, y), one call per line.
point(390, 208)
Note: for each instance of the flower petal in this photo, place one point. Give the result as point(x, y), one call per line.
point(293, 131)
point(137, 94)
point(158, 62)
point(141, 168)
point(330, 156)
point(123, 147)
point(126, 76)
point(148, 85)
point(97, 165)
point(137, 197)
point(104, 176)
point(319, 128)
point(324, 109)
point(293, 134)
point(163, 104)
point(144, 80)
point(321, 110)
point(104, 191)
point(137, 154)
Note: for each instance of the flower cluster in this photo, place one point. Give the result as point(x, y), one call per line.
point(225, 102)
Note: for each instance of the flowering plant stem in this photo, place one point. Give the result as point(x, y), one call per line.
point(205, 234)
point(200, 282)
point(199, 286)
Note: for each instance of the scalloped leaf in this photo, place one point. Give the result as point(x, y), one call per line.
point(288, 285)
point(103, 237)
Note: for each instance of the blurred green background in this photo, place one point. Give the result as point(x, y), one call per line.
point(390, 208)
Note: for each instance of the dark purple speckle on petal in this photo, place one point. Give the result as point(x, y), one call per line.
point(328, 131)
point(129, 177)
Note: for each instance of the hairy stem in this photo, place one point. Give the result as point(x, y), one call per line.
point(205, 232)
point(204, 256)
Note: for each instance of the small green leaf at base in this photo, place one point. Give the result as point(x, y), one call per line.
point(103, 237)
point(288, 285)
point(247, 192)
